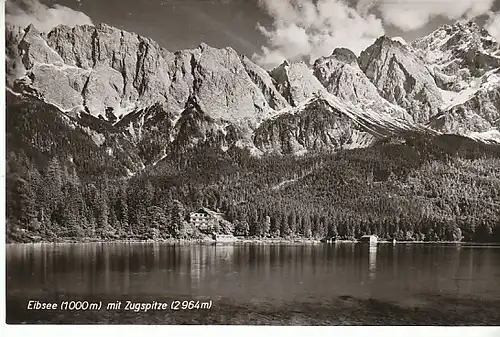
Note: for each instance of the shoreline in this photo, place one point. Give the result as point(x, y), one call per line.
point(185, 241)
point(240, 241)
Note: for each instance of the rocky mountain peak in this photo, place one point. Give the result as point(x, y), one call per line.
point(386, 41)
point(31, 30)
point(266, 83)
point(345, 55)
point(296, 82)
point(185, 98)
point(401, 77)
point(280, 73)
point(341, 75)
point(465, 27)
point(457, 53)
point(34, 49)
point(464, 60)
point(104, 69)
point(282, 83)
point(461, 35)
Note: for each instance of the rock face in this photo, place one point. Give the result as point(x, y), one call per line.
point(266, 84)
point(341, 75)
point(316, 126)
point(126, 90)
point(324, 122)
point(34, 49)
point(458, 53)
point(296, 82)
point(401, 78)
point(195, 126)
point(465, 61)
point(472, 111)
point(13, 61)
point(103, 68)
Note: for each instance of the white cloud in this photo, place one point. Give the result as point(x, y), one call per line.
point(44, 18)
point(313, 28)
point(493, 25)
point(414, 14)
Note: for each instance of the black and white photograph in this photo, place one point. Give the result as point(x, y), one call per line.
point(252, 163)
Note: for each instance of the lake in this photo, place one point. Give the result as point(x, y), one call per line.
point(278, 284)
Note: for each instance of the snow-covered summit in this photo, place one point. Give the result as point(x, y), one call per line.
point(459, 52)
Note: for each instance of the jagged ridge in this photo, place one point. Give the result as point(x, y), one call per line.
point(163, 101)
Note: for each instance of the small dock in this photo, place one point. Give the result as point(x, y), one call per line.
point(370, 239)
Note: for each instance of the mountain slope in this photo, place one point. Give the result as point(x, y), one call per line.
point(401, 78)
point(296, 82)
point(458, 53)
point(103, 68)
point(465, 61)
point(41, 131)
point(473, 111)
point(341, 76)
point(148, 94)
point(163, 103)
point(326, 123)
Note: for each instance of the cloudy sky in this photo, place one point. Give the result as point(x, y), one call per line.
point(266, 30)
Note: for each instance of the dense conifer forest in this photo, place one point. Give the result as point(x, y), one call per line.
point(62, 186)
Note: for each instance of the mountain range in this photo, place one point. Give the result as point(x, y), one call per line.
point(121, 88)
point(110, 136)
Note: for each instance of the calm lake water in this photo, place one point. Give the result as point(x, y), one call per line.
point(417, 284)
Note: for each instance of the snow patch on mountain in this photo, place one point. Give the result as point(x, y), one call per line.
point(376, 123)
point(400, 40)
point(458, 53)
point(341, 75)
point(491, 136)
point(13, 92)
point(489, 81)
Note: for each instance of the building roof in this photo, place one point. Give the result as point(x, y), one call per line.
point(207, 211)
